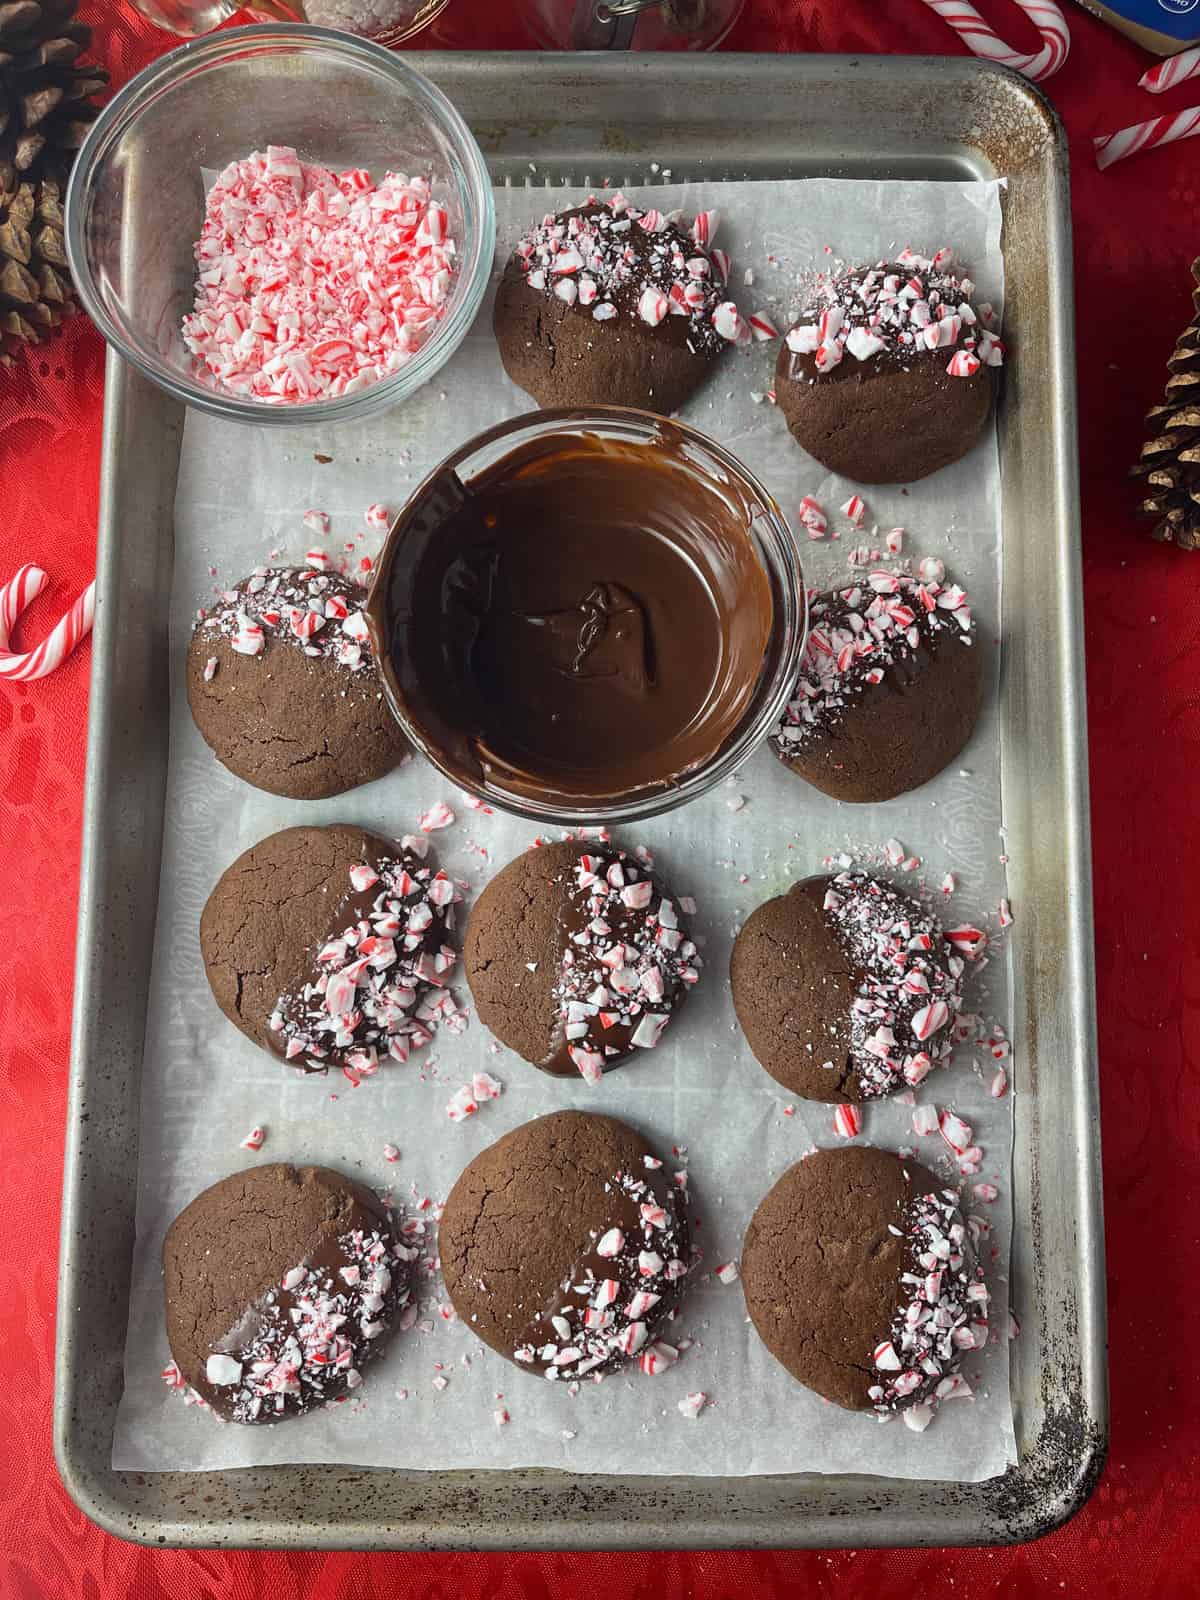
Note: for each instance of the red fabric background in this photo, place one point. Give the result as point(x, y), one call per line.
point(1137, 229)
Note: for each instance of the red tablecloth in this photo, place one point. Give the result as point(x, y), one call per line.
point(1137, 229)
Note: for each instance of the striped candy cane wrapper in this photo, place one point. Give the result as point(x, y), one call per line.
point(1112, 147)
point(982, 40)
point(16, 596)
point(1175, 69)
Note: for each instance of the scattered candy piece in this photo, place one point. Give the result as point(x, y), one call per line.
point(970, 942)
point(693, 1404)
point(955, 1132)
point(254, 1140)
point(847, 1121)
point(925, 1120)
point(856, 509)
point(438, 816)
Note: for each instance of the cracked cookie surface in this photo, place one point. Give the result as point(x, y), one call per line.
point(280, 1284)
point(565, 1244)
point(283, 688)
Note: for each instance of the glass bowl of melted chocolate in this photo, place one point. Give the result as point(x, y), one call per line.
point(588, 616)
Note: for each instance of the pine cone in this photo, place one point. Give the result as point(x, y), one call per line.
point(45, 112)
point(1170, 460)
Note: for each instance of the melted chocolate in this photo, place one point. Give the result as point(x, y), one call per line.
point(625, 964)
point(584, 621)
point(622, 1285)
point(400, 923)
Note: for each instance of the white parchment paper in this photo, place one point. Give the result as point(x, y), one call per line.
point(240, 498)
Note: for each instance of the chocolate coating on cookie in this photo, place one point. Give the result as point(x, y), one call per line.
point(564, 1246)
point(281, 1283)
point(861, 1281)
point(609, 304)
point(577, 957)
point(282, 685)
point(331, 947)
point(847, 989)
point(890, 688)
point(889, 371)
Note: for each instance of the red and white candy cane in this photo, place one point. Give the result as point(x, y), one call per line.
point(1113, 147)
point(15, 597)
point(983, 40)
point(1176, 69)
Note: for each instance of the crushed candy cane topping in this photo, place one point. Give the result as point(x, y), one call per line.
point(909, 983)
point(312, 284)
point(857, 636)
point(627, 962)
point(379, 984)
point(611, 258)
point(319, 613)
point(626, 1285)
point(896, 311)
point(306, 1341)
point(942, 1310)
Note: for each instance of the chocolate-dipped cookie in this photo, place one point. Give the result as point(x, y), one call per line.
point(890, 687)
point(331, 947)
point(861, 1281)
point(888, 372)
point(564, 1246)
point(611, 304)
point(577, 957)
point(281, 1283)
point(847, 989)
point(282, 685)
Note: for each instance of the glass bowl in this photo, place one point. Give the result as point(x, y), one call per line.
point(442, 606)
point(391, 24)
point(135, 202)
point(630, 24)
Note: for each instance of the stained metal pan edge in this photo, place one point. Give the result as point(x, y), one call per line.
point(818, 113)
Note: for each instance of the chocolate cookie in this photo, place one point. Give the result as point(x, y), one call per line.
point(281, 1283)
point(847, 989)
point(283, 686)
point(330, 947)
point(861, 1281)
point(609, 304)
point(890, 686)
point(564, 1246)
point(888, 373)
point(577, 958)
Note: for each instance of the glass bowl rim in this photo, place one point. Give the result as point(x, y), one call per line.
point(781, 561)
point(121, 113)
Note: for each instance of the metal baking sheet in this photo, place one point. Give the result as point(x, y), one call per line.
point(717, 117)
